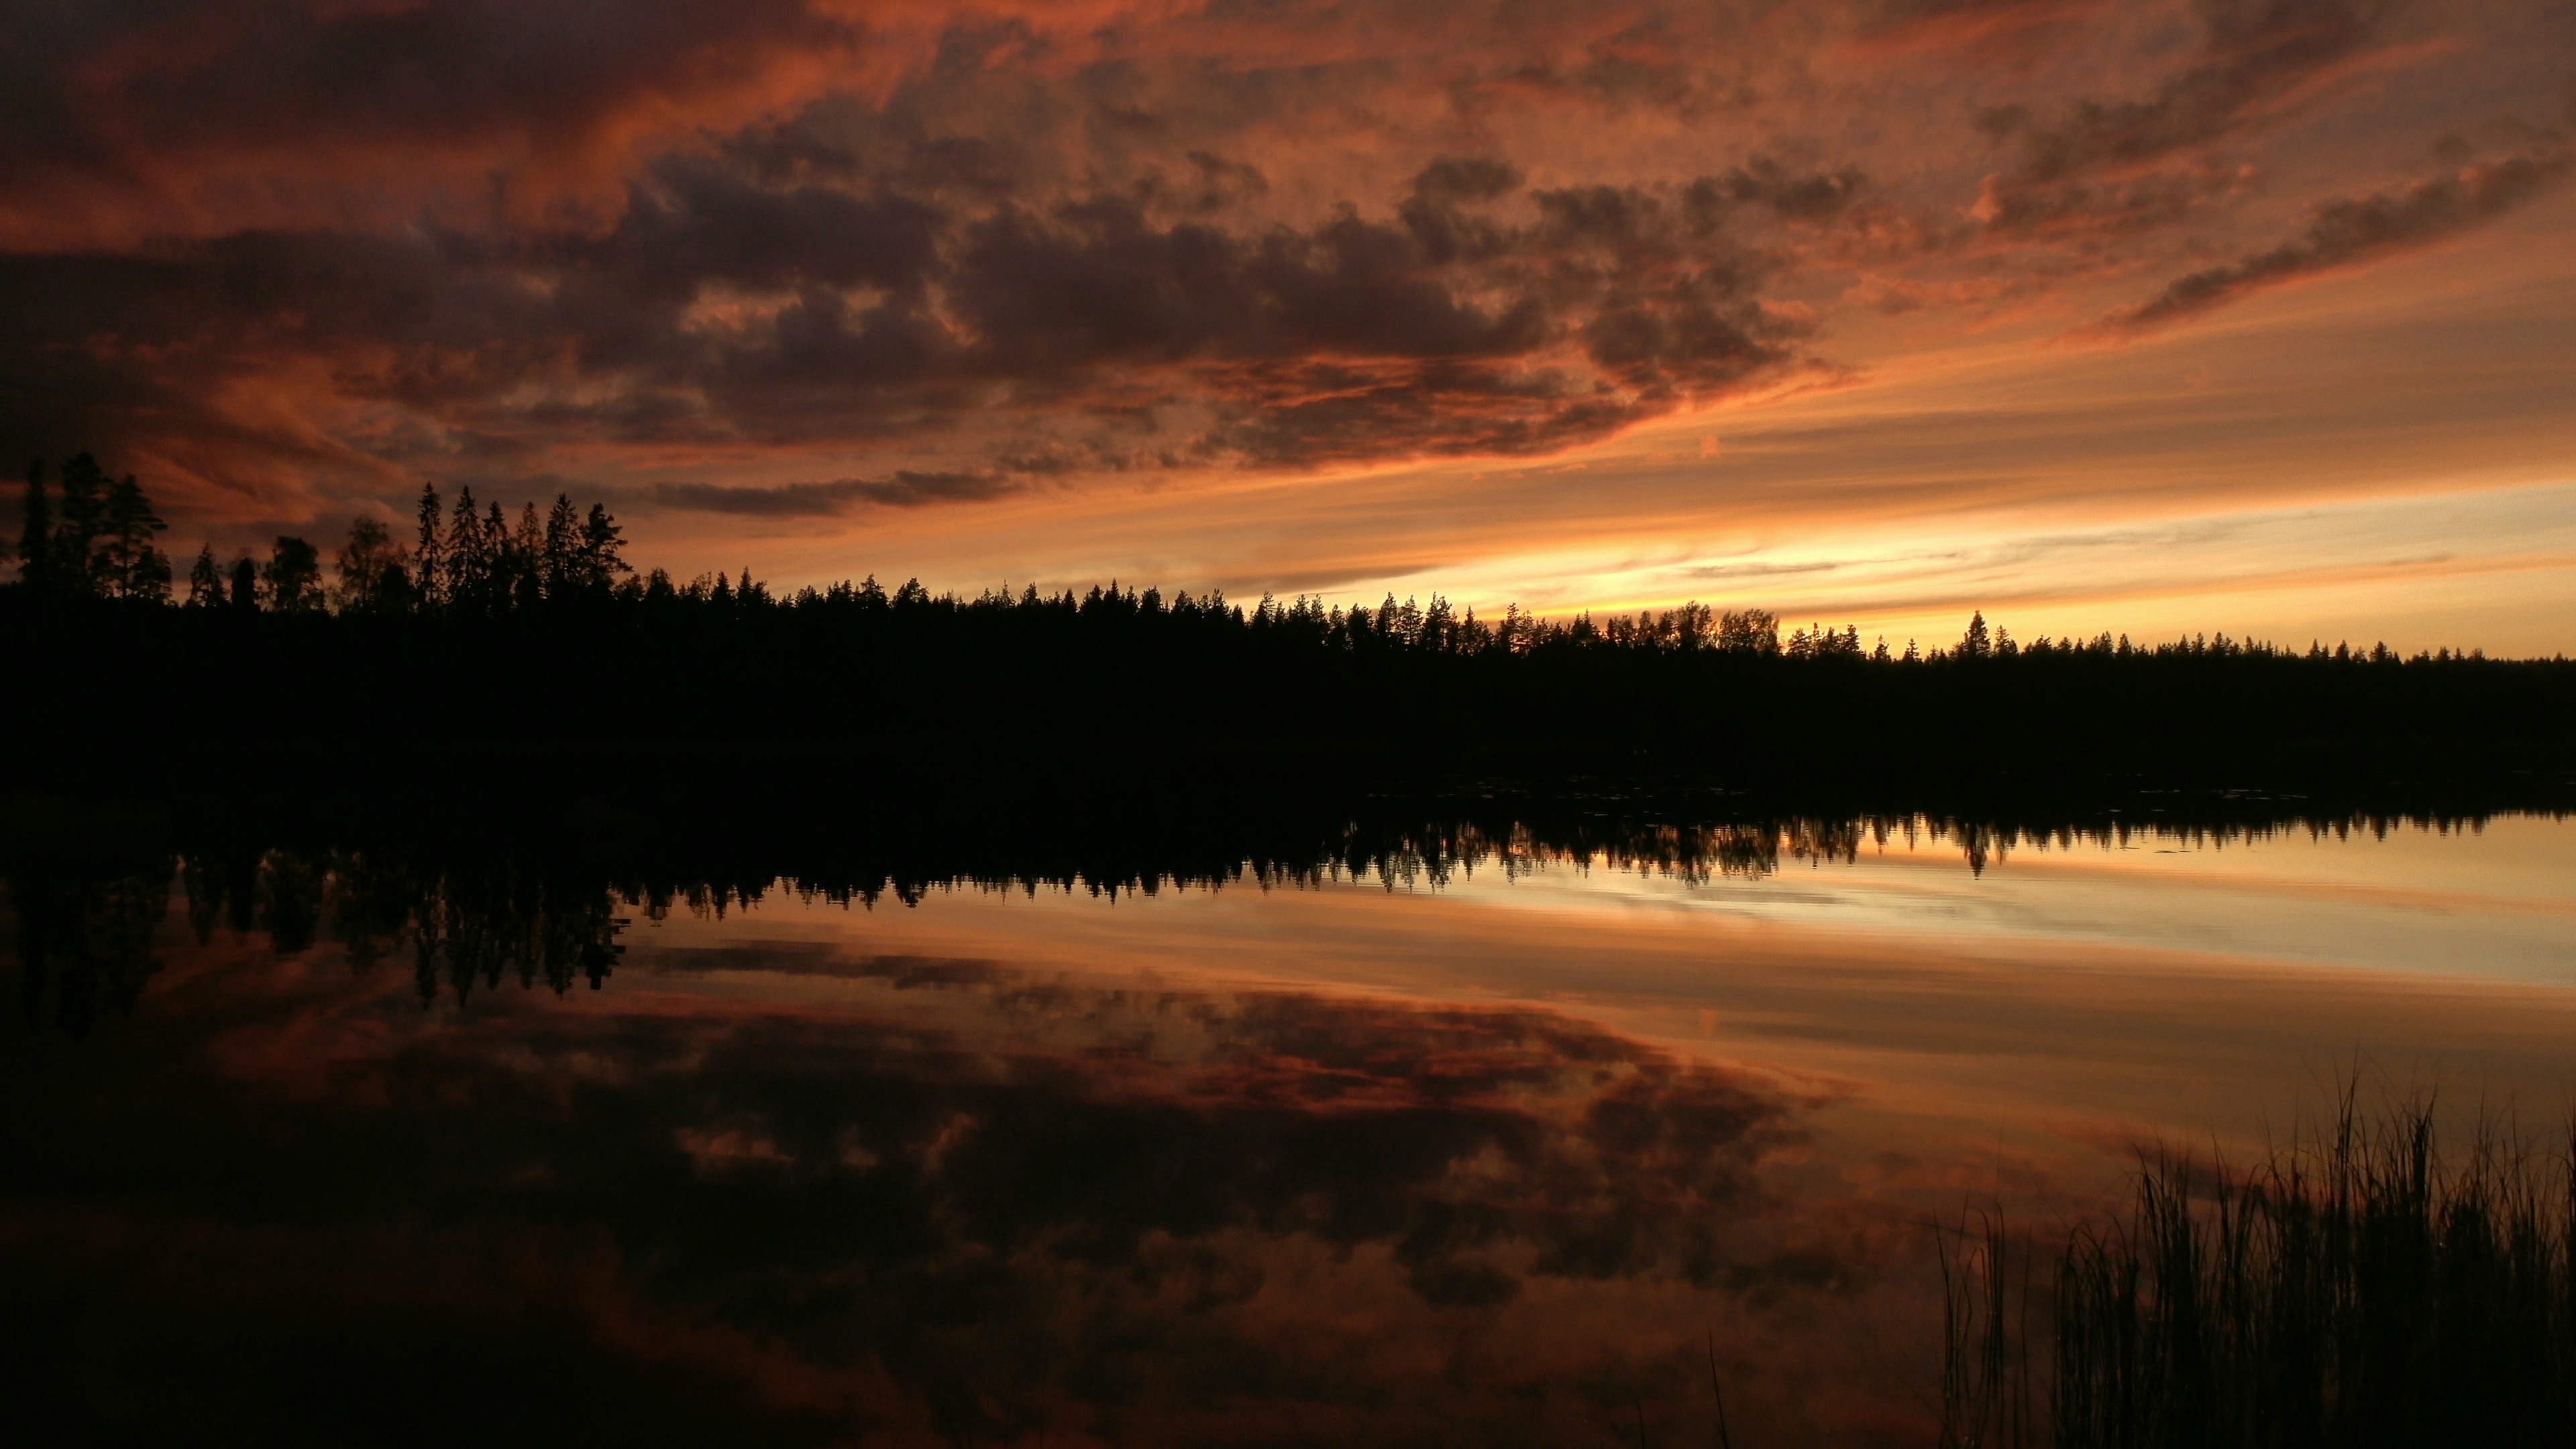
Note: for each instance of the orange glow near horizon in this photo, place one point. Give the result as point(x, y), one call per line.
point(2243, 316)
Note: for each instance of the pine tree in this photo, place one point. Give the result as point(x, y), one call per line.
point(128, 565)
point(563, 549)
point(528, 559)
point(603, 548)
point(36, 534)
point(1975, 644)
point(70, 566)
point(500, 566)
point(469, 561)
point(429, 556)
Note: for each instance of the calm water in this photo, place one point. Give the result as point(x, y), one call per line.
point(1509, 1153)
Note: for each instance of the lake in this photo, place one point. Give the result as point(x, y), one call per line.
point(1490, 1144)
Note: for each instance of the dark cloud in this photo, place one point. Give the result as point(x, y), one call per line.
point(1799, 196)
point(1216, 184)
point(1466, 178)
point(276, 250)
point(720, 307)
point(2016, 30)
point(903, 489)
point(2252, 52)
point(2353, 230)
point(705, 223)
point(2087, 212)
point(2112, 166)
point(115, 85)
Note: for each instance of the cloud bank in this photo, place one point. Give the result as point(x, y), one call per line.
point(287, 256)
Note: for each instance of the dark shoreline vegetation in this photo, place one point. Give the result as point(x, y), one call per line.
point(487, 638)
point(2359, 1287)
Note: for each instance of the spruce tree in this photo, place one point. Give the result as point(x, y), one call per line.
point(70, 565)
point(500, 568)
point(528, 559)
point(1975, 644)
point(429, 556)
point(129, 566)
point(602, 547)
point(563, 549)
point(468, 561)
point(36, 533)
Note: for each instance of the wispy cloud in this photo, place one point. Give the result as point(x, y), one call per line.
point(2351, 231)
point(830, 499)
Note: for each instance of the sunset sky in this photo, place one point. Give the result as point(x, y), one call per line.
point(2242, 315)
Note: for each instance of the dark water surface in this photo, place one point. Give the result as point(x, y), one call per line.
point(1495, 1148)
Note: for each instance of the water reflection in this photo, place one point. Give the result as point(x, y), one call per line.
point(1475, 1131)
point(481, 915)
point(962, 1203)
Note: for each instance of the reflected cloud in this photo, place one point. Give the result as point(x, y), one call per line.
point(983, 1198)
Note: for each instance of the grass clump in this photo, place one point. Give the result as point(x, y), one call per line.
point(2358, 1290)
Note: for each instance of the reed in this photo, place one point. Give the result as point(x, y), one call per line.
point(2361, 1288)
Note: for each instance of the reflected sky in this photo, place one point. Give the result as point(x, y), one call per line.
point(1508, 1157)
point(2292, 955)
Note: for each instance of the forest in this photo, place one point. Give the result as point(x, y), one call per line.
point(535, 636)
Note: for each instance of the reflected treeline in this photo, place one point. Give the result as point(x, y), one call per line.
point(549, 911)
point(458, 927)
point(88, 939)
point(535, 629)
point(85, 942)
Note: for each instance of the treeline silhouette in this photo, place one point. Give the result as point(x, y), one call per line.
point(545, 900)
point(481, 631)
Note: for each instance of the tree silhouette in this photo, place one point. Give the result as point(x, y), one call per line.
point(292, 577)
point(528, 560)
point(245, 586)
point(69, 566)
point(205, 580)
point(371, 574)
point(1974, 644)
point(469, 559)
point(36, 532)
point(562, 548)
point(602, 550)
point(429, 554)
point(129, 565)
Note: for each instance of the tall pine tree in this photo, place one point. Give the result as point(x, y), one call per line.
point(603, 549)
point(429, 556)
point(129, 565)
point(36, 534)
point(469, 564)
point(71, 567)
